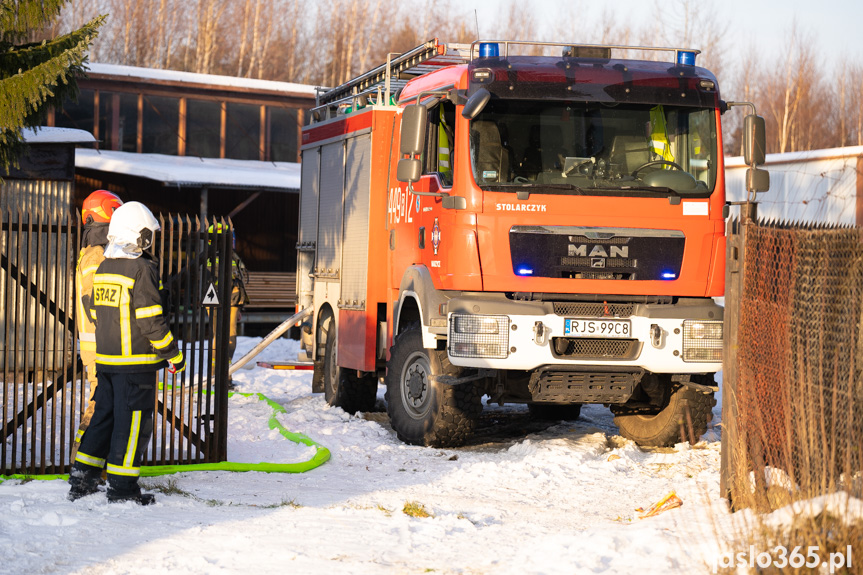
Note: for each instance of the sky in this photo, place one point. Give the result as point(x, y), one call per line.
point(834, 24)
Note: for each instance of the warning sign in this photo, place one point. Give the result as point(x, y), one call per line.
point(211, 298)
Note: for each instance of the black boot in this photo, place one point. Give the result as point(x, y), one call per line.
point(84, 481)
point(120, 491)
point(139, 498)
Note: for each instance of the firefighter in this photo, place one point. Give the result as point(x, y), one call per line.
point(95, 215)
point(133, 342)
point(239, 297)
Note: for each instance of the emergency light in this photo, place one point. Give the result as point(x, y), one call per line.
point(488, 50)
point(686, 57)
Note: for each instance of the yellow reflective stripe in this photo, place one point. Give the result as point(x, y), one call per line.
point(131, 445)
point(125, 322)
point(87, 336)
point(161, 287)
point(89, 459)
point(127, 360)
point(93, 314)
point(150, 311)
point(164, 342)
point(114, 278)
point(127, 471)
point(87, 345)
point(177, 358)
point(79, 435)
point(88, 270)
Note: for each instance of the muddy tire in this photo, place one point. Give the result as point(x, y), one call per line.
point(423, 411)
point(554, 411)
point(670, 425)
point(342, 387)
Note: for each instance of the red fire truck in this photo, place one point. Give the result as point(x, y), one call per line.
point(546, 229)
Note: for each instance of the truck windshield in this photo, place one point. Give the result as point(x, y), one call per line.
point(594, 148)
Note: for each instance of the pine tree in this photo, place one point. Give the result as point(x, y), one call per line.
point(36, 76)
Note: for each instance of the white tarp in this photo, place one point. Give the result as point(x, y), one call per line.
point(187, 171)
point(817, 186)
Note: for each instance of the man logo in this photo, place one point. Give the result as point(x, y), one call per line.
point(598, 251)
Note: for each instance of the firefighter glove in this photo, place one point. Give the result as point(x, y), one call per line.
point(177, 363)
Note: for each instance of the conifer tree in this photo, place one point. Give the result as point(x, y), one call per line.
point(34, 76)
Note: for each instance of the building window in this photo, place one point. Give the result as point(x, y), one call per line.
point(243, 132)
point(128, 128)
point(203, 127)
point(161, 125)
point(282, 134)
point(77, 114)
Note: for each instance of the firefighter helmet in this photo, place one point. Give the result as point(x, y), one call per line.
point(99, 206)
point(133, 224)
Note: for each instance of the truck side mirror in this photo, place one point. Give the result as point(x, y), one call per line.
point(757, 180)
point(475, 104)
point(413, 133)
point(754, 140)
point(409, 170)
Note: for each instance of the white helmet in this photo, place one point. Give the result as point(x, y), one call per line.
point(131, 230)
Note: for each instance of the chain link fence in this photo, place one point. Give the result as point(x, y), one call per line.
point(793, 397)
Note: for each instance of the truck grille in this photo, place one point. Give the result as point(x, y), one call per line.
point(592, 309)
point(595, 348)
point(574, 252)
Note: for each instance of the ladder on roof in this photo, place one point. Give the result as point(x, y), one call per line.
point(392, 76)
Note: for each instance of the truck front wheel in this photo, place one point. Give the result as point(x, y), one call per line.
point(671, 425)
point(422, 410)
point(342, 387)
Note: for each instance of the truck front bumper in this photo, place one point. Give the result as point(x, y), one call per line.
point(498, 333)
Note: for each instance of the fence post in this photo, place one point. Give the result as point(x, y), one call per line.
point(734, 278)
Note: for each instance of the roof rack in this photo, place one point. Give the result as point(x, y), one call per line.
point(390, 77)
point(473, 49)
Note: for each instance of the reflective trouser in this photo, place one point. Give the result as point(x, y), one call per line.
point(232, 330)
point(90, 370)
point(120, 429)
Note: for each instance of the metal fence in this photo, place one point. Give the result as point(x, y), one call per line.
point(44, 390)
point(793, 378)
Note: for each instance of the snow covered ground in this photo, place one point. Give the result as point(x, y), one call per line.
point(524, 497)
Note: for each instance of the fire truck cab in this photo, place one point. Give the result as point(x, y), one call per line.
point(477, 221)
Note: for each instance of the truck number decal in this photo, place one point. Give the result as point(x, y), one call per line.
point(399, 206)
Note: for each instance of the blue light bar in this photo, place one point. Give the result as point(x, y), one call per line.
point(524, 272)
point(489, 50)
point(669, 275)
point(685, 57)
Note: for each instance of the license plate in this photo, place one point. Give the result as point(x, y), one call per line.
point(597, 327)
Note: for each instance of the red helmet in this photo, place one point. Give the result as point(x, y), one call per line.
point(99, 206)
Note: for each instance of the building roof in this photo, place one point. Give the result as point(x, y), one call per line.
point(188, 171)
point(47, 135)
point(153, 75)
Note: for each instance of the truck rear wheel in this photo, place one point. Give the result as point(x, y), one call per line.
point(424, 411)
point(671, 424)
point(342, 387)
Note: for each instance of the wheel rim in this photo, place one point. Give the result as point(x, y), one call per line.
point(415, 385)
point(331, 382)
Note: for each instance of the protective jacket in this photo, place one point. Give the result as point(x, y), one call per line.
point(132, 334)
point(92, 254)
point(239, 278)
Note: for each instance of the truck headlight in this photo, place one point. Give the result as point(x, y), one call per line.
point(702, 341)
point(478, 336)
